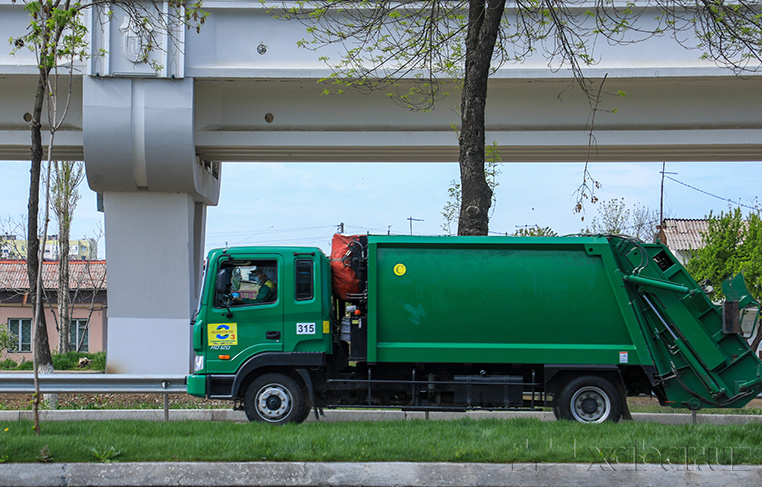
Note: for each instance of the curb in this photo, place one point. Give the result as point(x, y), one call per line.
point(337, 415)
point(390, 474)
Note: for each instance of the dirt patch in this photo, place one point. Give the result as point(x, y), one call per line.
point(114, 401)
point(184, 401)
point(652, 401)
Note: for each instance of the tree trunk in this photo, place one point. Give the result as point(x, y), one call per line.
point(64, 308)
point(476, 198)
point(45, 362)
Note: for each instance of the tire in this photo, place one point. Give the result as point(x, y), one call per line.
point(556, 413)
point(305, 414)
point(275, 399)
point(589, 399)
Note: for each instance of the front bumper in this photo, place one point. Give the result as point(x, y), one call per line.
point(196, 385)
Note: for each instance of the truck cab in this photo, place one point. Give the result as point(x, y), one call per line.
point(262, 309)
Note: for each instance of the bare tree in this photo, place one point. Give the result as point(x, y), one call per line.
point(535, 231)
point(66, 177)
point(615, 218)
point(391, 44)
point(57, 36)
point(399, 44)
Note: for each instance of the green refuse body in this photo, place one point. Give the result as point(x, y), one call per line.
point(443, 323)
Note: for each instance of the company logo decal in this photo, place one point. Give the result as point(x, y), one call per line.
point(223, 334)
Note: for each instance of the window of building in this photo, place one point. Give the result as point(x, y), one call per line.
point(78, 336)
point(304, 287)
point(22, 330)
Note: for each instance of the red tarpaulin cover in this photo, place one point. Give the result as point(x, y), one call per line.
point(344, 279)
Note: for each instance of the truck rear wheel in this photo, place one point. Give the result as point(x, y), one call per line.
point(589, 399)
point(275, 399)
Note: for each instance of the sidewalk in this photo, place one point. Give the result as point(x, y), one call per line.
point(392, 474)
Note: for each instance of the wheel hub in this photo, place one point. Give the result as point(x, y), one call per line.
point(591, 405)
point(273, 402)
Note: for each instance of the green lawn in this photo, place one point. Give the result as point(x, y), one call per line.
point(503, 441)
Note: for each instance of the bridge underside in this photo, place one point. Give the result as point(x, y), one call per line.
point(675, 119)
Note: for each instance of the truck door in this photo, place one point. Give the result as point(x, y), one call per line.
point(306, 319)
point(247, 316)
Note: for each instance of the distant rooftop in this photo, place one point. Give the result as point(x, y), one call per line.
point(683, 234)
point(82, 274)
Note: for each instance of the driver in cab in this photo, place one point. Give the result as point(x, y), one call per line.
point(267, 292)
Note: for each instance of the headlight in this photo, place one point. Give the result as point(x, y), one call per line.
point(198, 363)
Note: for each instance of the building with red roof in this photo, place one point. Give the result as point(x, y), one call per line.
point(88, 288)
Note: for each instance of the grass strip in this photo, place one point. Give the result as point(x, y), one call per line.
point(466, 440)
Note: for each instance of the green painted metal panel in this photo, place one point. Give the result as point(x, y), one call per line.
point(571, 300)
point(698, 365)
point(503, 300)
point(303, 322)
point(196, 385)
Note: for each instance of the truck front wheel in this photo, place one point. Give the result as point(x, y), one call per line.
point(589, 399)
point(275, 399)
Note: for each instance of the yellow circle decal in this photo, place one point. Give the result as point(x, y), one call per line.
point(400, 269)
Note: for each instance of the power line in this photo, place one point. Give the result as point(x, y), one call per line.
point(271, 229)
point(713, 195)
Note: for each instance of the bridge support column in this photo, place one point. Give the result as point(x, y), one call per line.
point(154, 255)
point(140, 155)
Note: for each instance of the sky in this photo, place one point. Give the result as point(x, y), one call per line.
point(304, 203)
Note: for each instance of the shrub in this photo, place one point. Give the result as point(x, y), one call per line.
point(8, 364)
point(28, 365)
point(63, 361)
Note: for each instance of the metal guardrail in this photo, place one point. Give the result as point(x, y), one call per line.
point(95, 384)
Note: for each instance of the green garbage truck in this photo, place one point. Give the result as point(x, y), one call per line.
point(455, 323)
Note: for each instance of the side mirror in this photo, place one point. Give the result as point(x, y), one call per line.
point(223, 281)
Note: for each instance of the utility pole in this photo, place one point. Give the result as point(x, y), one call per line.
point(661, 199)
point(411, 220)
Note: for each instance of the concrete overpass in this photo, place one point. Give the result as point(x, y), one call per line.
point(240, 90)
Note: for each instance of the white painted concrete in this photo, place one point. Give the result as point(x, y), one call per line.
point(155, 252)
point(678, 107)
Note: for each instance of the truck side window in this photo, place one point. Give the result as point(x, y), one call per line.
point(247, 282)
point(304, 284)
